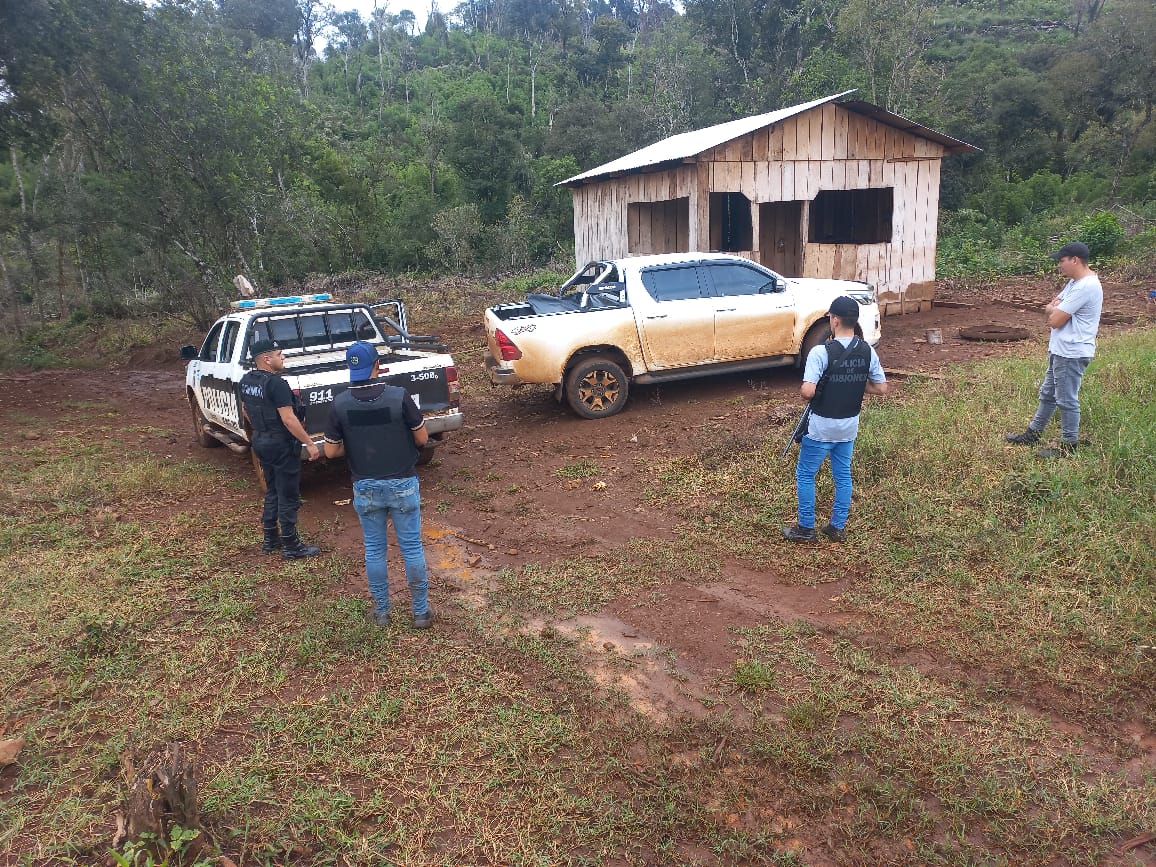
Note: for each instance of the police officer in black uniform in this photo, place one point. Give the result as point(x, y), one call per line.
point(278, 435)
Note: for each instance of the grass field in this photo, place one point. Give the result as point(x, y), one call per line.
point(984, 703)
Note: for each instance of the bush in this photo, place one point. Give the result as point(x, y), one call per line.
point(1102, 233)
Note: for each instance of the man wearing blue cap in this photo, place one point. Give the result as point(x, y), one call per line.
point(278, 435)
point(380, 430)
point(838, 374)
point(1074, 319)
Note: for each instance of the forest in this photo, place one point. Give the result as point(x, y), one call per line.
point(154, 150)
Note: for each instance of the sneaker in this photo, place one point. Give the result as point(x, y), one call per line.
point(423, 621)
point(835, 534)
point(1027, 438)
point(799, 534)
point(379, 618)
point(1066, 449)
point(292, 548)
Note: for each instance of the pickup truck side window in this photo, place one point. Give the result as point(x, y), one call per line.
point(232, 329)
point(732, 279)
point(212, 342)
point(363, 326)
point(674, 284)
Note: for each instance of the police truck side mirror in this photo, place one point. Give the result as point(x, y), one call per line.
point(188, 353)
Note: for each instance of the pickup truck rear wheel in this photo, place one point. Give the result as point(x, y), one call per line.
point(596, 388)
point(204, 439)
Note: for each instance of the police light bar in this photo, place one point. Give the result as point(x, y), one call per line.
point(251, 303)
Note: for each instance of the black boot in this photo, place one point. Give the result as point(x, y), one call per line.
point(292, 548)
point(272, 543)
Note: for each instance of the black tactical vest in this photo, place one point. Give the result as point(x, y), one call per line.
point(378, 442)
point(263, 415)
point(846, 380)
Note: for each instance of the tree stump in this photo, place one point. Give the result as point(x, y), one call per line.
point(162, 793)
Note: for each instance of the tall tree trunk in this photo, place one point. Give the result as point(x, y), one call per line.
point(24, 233)
point(12, 296)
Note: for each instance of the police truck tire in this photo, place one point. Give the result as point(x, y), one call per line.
point(819, 333)
point(204, 440)
point(597, 387)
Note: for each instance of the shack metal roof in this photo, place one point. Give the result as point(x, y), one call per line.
point(680, 147)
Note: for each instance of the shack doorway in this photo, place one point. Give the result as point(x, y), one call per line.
point(781, 237)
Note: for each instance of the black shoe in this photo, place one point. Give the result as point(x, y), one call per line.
point(1065, 450)
point(799, 534)
point(423, 621)
point(272, 543)
point(835, 534)
point(292, 548)
point(1027, 438)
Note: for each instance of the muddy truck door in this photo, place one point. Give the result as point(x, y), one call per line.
point(675, 313)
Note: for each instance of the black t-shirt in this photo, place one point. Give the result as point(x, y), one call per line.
point(278, 392)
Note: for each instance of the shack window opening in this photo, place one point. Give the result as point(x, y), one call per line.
point(852, 216)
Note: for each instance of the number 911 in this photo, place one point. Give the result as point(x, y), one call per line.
point(320, 395)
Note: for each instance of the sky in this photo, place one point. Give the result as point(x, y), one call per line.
point(420, 8)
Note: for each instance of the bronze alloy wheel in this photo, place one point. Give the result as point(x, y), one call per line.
point(596, 388)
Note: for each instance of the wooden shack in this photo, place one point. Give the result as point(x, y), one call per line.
point(831, 188)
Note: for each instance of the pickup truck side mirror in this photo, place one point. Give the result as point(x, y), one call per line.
point(188, 353)
point(780, 285)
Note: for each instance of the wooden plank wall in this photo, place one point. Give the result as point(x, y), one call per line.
point(827, 148)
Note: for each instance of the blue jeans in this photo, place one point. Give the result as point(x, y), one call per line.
point(376, 501)
point(811, 455)
point(1061, 388)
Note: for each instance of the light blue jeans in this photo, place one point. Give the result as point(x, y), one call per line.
point(1061, 388)
point(811, 455)
point(376, 501)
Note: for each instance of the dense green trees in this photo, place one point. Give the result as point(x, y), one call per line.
point(151, 151)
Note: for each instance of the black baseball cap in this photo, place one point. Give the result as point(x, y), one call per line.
point(260, 347)
point(1075, 249)
point(846, 308)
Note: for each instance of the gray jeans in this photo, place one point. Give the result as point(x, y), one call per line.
point(1061, 388)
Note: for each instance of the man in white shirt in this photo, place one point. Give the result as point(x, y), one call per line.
point(1074, 317)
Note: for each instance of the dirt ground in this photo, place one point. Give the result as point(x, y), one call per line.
point(492, 498)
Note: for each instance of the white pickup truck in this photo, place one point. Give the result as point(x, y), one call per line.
point(650, 319)
point(314, 333)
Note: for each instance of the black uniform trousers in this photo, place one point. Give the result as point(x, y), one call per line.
point(280, 457)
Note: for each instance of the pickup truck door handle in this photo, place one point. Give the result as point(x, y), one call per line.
point(726, 310)
point(660, 316)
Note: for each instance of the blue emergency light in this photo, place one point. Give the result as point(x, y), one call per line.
point(284, 300)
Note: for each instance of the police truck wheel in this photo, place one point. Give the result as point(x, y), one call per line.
point(819, 333)
point(597, 388)
point(203, 439)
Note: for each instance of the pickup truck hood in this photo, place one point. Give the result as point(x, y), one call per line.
point(825, 287)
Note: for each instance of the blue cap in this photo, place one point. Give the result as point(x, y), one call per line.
point(361, 357)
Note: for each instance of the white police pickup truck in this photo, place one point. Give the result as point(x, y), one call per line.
point(314, 331)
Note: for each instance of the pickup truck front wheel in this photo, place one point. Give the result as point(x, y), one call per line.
point(596, 388)
point(204, 439)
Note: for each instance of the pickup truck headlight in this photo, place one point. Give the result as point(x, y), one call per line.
point(866, 295)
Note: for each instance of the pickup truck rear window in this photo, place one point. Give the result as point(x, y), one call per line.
point(315, 330)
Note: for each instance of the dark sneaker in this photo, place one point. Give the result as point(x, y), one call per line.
point(835, 534)
point(423, 621)
point(292, 548)
point(1065, 450)
point(379, 618)
point(799, 534)
point(1027, 438)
